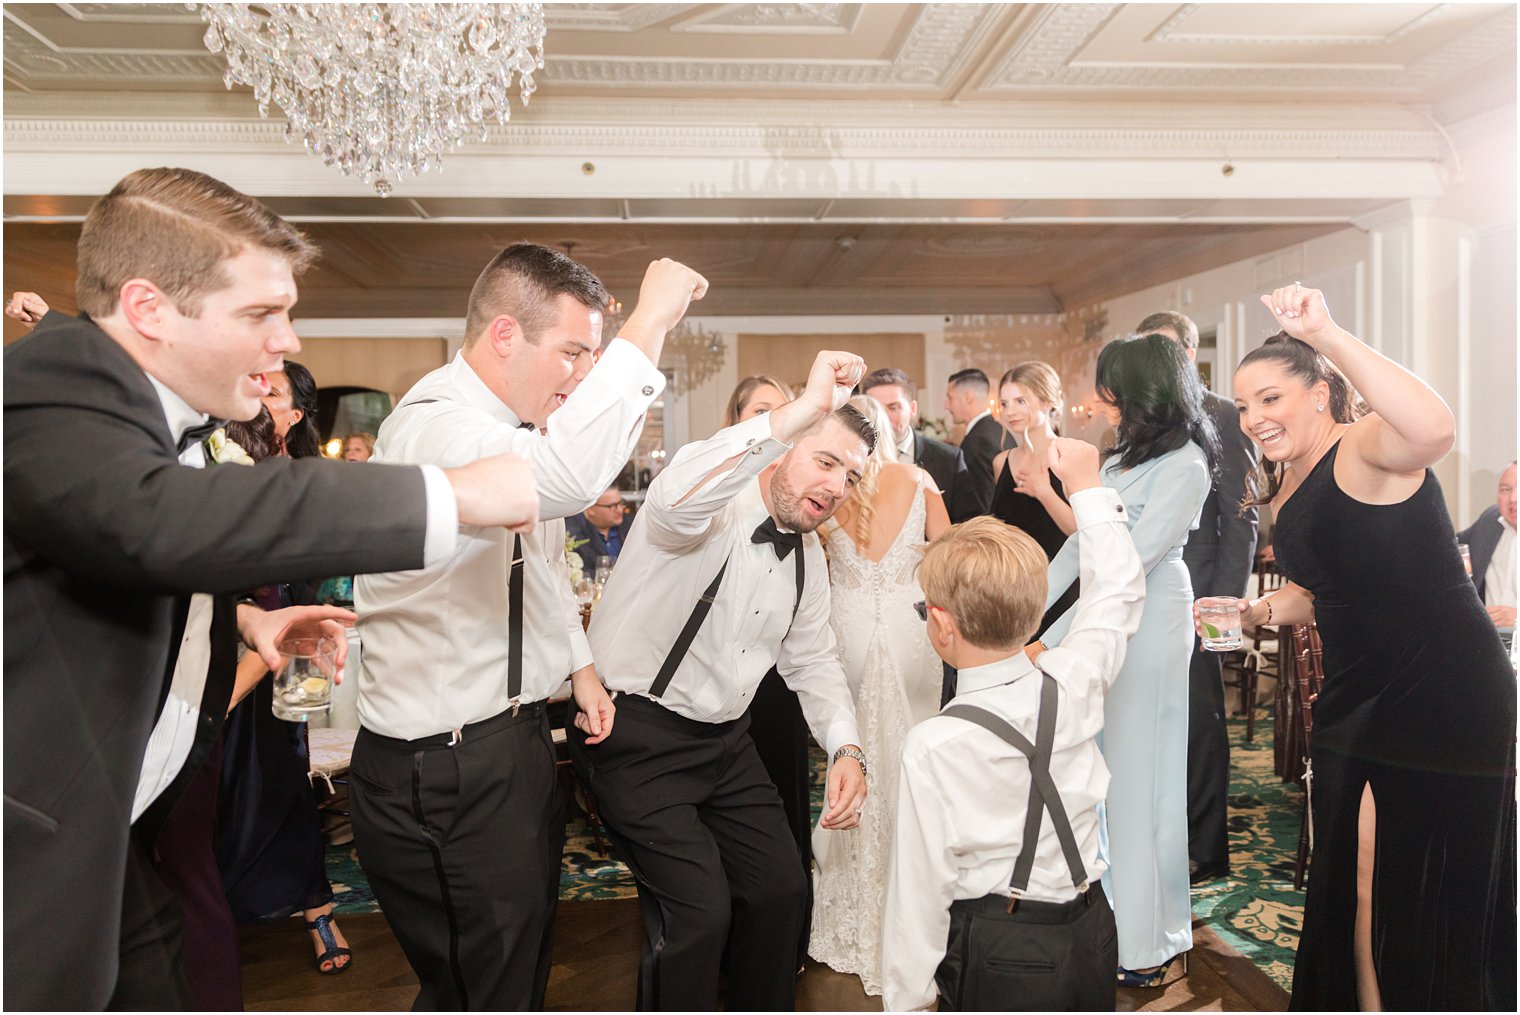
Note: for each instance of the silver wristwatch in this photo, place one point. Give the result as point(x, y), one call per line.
point(852, 752)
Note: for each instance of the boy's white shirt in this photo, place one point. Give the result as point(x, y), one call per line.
point(963, 792)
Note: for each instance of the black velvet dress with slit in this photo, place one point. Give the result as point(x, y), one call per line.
point(1419, 704)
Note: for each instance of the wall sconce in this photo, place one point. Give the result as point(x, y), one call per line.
point(333, 448)
point(1081, 411)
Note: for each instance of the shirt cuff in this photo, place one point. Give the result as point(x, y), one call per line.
point(754, 435)
point(1097, 504)
point(442, 516)
point(631, 367)
point(841, 732)
point(580, 651)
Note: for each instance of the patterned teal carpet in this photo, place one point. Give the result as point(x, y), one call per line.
point(1255, 910)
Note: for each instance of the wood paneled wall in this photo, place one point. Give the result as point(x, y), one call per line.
point(385, 364)
point(789, 357)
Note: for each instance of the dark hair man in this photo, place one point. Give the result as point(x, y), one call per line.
point(681, 787)
point(897, 393)
point(966, 402)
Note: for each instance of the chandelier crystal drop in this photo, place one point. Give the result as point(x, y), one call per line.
point(381, 91)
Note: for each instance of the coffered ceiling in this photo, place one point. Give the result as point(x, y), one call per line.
point(813, 157)
point(1410, 52)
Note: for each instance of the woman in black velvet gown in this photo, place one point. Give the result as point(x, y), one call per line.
point(1413, 749)
point(1027, 494)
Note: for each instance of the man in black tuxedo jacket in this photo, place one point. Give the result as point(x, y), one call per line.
point(604, 526)
point(966, 400)
point(1491, 541)
point(119, 561)
point(1218, 556)
point(945, 464)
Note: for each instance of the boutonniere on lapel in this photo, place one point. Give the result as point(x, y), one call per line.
point(221, 449)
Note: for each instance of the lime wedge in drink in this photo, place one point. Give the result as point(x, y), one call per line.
point(311, 687)
point(1209, 630)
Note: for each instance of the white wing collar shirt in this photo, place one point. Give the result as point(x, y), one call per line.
point(962, 791)
point(435, 641)
point(701, 510)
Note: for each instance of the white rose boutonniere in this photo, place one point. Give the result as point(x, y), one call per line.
point(223, 450)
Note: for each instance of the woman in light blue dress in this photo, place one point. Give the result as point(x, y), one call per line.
point(1161, 466)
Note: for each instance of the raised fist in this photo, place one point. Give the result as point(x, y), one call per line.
point(669, 287)
point(832, 378)
point(1075, 463)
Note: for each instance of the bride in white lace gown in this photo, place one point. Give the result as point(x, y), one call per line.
point(873, 545)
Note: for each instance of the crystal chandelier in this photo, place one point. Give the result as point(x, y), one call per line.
point(692, 353)
point(380, 90)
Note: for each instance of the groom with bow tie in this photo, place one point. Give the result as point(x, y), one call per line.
point(720, 580)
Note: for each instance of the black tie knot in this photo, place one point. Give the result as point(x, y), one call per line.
point(782, 542)
point(195, 434)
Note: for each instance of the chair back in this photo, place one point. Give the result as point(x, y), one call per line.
point(1297, 691)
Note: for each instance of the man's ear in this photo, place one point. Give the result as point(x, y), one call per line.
point(145, 308)
point(504, 334)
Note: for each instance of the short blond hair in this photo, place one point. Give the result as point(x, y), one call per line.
point(991, 578)
point(176, 228)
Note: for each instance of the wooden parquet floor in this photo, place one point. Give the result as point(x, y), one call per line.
point(597, 948)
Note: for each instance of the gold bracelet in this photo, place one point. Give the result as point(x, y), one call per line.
point(1267, 601)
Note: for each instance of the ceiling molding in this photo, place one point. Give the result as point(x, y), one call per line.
point(634, 17)
point(925, 134)
point(938, 44)
point(787, 19)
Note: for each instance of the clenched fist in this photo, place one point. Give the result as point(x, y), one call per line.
point(1075, 463)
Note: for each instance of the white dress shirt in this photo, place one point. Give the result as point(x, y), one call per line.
point(905, 448)
point(974, 420)
point(173, 734)
point(692, 520)
point(435, 641)
point(1499, 579)
point(963, 792)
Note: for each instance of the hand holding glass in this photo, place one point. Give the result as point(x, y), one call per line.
point(1219, 623)
point(303, 684)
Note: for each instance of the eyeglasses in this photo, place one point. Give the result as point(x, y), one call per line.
point(922, 609)
point(617, 504)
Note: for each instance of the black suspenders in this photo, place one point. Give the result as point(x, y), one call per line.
point(1043, 794)
point(698, 615)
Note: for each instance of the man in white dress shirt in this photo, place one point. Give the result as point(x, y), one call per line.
point(458, 817)
point(994, 899)
point(681, 787)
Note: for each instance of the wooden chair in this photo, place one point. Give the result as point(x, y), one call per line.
point(329, 753)
point(1307, 679)
point(1260, 654)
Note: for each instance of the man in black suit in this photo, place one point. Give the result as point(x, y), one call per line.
point(604, 526)
point(897, 393)
point(1491, 542)
point(966, 400)
point(119, 561)
point(1218, 556)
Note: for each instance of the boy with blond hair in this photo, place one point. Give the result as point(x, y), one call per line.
point(993, 896)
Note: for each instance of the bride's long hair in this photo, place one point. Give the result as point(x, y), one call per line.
point(870, 477)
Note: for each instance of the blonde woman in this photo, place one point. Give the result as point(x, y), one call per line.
point(1027, 495)
point(873, 543)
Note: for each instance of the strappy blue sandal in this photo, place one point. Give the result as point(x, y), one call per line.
point(1151, 977)
point(323, 926)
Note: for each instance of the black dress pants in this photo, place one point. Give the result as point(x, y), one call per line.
point(1208, 785)
point(780, 734)
point(695, 817)
point(462, 847)
point(1044, 956)
point(151, 973)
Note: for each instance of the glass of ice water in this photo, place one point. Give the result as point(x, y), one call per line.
point(1219, 616)
point(1466, 552)
point(304, 683)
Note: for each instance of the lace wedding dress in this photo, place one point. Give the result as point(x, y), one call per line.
point(895, 679)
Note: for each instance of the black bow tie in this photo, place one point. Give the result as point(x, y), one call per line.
point(195, 434)
point(525, 425)
point(782, 542)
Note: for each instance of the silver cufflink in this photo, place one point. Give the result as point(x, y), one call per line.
point(648, 389)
